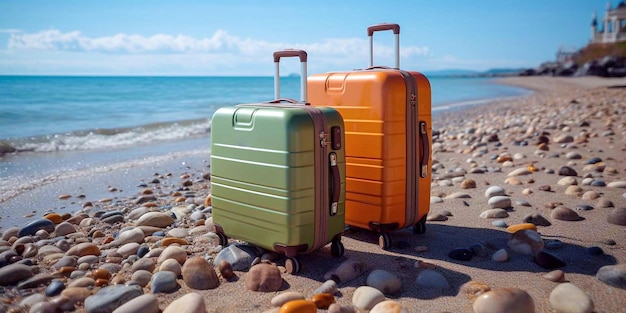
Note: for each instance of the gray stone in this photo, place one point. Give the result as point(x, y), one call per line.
point(366, 297)
point(110, 298)
point(239, 256)
point(613, 275)
point(189, 303)
point(147, 303)
point(493, 191)
point(494, 213)
point(384, 281)
point(31, 228)
point(163, 282)
point(432, 279)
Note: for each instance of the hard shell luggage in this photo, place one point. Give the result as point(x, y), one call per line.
point(278, 173)
point(387, 116)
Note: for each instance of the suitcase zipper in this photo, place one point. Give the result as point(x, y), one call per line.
point(321, 177)
point(411, 150)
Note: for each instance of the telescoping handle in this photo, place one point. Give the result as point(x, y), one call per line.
point(290, 53)
point(396, 34)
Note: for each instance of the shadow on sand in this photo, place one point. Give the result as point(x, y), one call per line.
point(440, 239)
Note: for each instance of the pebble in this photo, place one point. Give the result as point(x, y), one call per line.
point(384, 281)
point(32, 227)
point(107, 299)
point(574, 190)
point(189, 303)
point(493, 191)
point(567, 181)
point(298, 306)
point(582, 207)
point(500, 256)
point(556, 276)
point(264, 277)
point(173, 252)
point(613, 275)
point(457, 195)
point(436, 217)
point(519, 172)
point(329, 286)
point(617, 216)
point(142, 277)
point(388, 306)
point(472, 289)
point(171, 265)
point(598, 183)
point(617, 184)
point(323, 300)
point(239, 256)
point(526, 241)
point(285, 297)
point(494, 213)
point(341, 308)
point(605, 203)
point(461, 254)
point(147, 303)
point(434, 200)
point(14, 273)
point(163, 282)
point(499, 223)
point(568, 298)
point(199, 274)
point(536, 219)
point(548, 260)
point(155, 219)
point(366, 297)
point(499, 202)
point(567, 171)
point(347, 271)
point(54, 288)
point(432, 279)
point(564, 214)
point(500, 300)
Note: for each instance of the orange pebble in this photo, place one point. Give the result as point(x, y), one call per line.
point(298, 306)
point(176, 194)
point(101, 274)
point(323, 300)
point(108, 239)
point(207, 201)
point(98, 234)
point(180, 199)
point(171, 240)
point(54, 218)
point(516, 227)
point(62, 197)
point(504, 158)
point(146, 191)
point(149, 204)
point(102, 282)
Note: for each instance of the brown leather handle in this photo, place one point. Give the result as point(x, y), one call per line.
point(335, 183)
point(290, 53)
point(383, 26)
point(425, 151)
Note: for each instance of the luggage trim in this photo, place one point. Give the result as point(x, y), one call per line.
point(411, 153)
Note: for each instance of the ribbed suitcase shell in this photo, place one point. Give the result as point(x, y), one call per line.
point(387, 112)
point(271, 176)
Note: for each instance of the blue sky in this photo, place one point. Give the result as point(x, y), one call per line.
point(237, 37)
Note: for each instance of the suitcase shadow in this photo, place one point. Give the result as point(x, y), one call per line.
point(438, 241)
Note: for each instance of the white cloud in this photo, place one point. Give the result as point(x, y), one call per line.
point(10, 31)
point(220, 41)
point(221, 53)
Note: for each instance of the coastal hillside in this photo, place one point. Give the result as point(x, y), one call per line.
point(595, 59)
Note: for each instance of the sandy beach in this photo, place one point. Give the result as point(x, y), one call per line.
point(557, 155)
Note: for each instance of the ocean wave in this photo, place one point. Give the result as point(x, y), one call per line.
point(108, 137)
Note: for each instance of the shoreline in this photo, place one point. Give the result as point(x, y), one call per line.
point(477, 149)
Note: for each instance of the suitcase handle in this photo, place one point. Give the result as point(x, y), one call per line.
point(335, 183)
point(303, 59)
point(396, 35)
point(425, 150)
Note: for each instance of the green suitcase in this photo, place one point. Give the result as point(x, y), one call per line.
point(278, 174)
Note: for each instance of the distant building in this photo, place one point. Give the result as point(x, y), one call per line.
point(613, 27)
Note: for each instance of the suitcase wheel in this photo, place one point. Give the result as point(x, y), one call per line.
point(384, 241)
point(420, 227)
point(223, 239)
point(292, 265)
point(337, 249)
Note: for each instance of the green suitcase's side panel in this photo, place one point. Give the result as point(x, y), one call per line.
point(262, 175)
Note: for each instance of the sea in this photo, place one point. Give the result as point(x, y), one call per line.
point(67, 134)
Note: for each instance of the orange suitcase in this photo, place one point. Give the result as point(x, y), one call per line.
point(387, 116)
